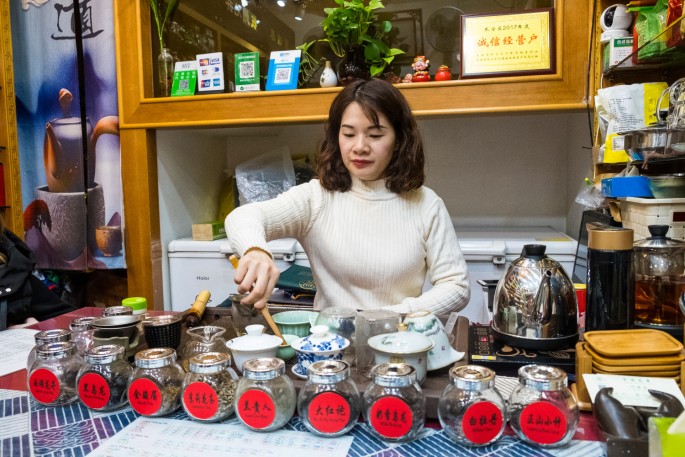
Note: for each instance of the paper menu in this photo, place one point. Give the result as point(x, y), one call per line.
point(15, 346)
point(175, 438)
point(632, 390)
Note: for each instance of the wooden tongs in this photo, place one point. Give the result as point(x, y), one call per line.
point(265, 310)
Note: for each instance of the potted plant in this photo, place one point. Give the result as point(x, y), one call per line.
point(354, 33)
point(161, 13)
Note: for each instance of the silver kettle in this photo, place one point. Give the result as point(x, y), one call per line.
point(535, 305)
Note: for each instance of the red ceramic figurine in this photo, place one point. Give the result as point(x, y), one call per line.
point(420, 67)
point(443, 73)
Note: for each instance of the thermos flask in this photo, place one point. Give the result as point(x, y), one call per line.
point(610, 279)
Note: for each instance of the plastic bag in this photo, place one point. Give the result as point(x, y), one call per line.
point(265, 176)
point(590, 196)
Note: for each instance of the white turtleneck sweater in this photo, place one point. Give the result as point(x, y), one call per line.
point(369, 248)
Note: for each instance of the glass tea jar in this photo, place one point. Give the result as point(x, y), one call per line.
point(329, 403)
point(82, 333)
point(154, 388)
point(394, 405)
point(471, 410)
point(102, 380)
point(542, 410)
point(46, 337)
point(209, 387)
point(659, 280)
point(52, 377)
point(266, 397)
point(206, 338)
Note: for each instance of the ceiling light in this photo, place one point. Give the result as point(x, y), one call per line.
point(300, 13)
point(280, 3)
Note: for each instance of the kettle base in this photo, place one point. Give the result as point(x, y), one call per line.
point(536, 344)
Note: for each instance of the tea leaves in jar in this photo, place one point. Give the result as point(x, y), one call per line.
point(329, 403)
point(52, 378)
point(102, 381)
point(542, 410)
point(209, 389)
point(394, 405)
point(154, 388)
point(266, 398)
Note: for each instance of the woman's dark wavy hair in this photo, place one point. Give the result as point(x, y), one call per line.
point(405, 171)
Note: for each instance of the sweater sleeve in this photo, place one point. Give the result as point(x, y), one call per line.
point(446, 266)
point(289, 215)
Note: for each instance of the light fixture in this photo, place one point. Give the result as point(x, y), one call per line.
point(280, 3)
point(300, 12)
point(244, 3)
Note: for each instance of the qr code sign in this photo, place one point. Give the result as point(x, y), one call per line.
point(282, 75)
point(246, 70)
point(184, 84)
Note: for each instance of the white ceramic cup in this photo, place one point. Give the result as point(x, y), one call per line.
point(428, 324)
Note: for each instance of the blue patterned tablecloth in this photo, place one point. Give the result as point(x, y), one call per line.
point(28, 428)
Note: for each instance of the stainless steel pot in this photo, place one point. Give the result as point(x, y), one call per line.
point(535, 305)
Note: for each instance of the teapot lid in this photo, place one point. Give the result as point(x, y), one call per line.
point(401, 342)
point(320, 340)
point(254, 340)
point(533, 256)
point(659, 240)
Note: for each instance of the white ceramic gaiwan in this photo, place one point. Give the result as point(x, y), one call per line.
point(428, 324)
point(255, 344)
point(403, 347)
point(322, 344)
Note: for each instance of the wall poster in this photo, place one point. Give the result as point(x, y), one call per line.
point(68, 126)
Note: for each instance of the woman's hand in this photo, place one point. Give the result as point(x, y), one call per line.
point(257, 274)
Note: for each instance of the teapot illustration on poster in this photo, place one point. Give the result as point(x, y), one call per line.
point(69, 225)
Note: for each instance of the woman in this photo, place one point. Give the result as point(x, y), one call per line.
point(372, 232)
point(24, 299)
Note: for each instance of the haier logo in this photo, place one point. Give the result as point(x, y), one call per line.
point(202, 278)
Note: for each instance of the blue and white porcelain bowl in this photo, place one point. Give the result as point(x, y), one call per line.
point(322, 344)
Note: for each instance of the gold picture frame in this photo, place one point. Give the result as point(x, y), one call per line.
point(508, 44)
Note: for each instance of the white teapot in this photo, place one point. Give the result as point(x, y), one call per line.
point(428, 324)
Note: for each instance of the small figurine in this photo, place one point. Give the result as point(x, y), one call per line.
point(408, 78)
point(443, 73)
point(420, 67)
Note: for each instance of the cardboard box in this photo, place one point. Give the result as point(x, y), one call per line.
point(626, 186)
point(209, 231)
point(615, 51)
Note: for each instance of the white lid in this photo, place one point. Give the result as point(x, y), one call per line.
point(321, 340)
point(401, 342)
point(222, 246)
point(490, 239)
point(255, 340)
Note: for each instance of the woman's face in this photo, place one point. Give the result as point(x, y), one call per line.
point(366, 148)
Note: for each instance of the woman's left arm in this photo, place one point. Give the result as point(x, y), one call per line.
point(446, 267)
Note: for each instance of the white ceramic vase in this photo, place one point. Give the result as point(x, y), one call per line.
point(328, 77)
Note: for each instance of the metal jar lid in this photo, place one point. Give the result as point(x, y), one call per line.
point(472, 377)
point(81, 324)
point(543, 377)
point(610, 239)
point(52, 336)
point(394, 375)
point(328, 371)
point(117, 311)
point(263, 369)
point(165, 319)
point(107, 353)
point(56, 351)
point(209, 362)
point(155, 358)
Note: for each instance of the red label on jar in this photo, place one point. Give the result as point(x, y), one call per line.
point(391, 417)
point(44, 386)
point(200, 400)
point(145, 396)
point(329, 412)
point(256, 409)
point(543, 423)
point(93, 390)
point(482, 422)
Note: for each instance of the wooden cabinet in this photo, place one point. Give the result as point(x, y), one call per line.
point(9, 155)
point(141, 114)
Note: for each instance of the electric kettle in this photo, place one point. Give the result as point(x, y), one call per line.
point(535, 305)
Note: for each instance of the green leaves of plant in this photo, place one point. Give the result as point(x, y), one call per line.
point(156, 6)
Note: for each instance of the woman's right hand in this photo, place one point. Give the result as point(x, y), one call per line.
point(257, 274)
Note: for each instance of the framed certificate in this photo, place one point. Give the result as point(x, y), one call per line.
point(508, 44)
